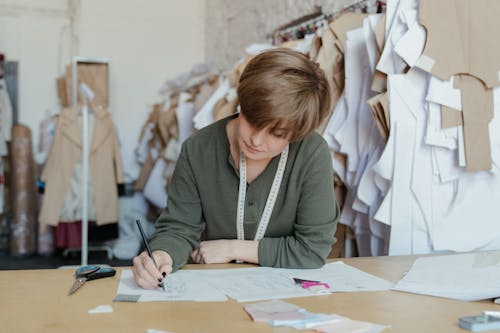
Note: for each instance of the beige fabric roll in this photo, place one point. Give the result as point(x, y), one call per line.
point(24, 198)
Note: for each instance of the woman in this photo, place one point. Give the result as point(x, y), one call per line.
point(259, 184)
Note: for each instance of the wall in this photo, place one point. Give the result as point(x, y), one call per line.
point(33, 33)
point(234, 24)
point(146, 42)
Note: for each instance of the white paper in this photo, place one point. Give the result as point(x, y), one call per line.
point(184, 113)
point(396, 26)
point(179, 286)
point(270, 283)
point(444, 93)
point(101, 309)
point(205, 115)
point(252, 284)
point(155, 189)
point(411, 45)
point(468, 277)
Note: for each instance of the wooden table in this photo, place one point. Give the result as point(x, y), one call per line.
point(37, 301)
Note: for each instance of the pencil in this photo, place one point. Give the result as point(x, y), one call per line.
point(146, 244)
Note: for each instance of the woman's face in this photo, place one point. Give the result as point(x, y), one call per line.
point(259, 144)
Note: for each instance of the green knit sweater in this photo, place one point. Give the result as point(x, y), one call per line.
point(203, 196)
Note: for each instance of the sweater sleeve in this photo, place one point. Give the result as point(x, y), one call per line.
point(179, 227)
point(317, 216)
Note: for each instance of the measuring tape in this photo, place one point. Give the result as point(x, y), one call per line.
point(271, 198)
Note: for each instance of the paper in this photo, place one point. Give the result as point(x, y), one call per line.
point(152, 330)
point(252, 284)
point(271, 310)
point(343, 24)
point(101, 309)
point(390, 62)
point(467, 277)
point(249, 284)
point(184, 115)
point(179, 286)
point(205, 116)
point(460, 38)
point(346, 325)
point(280, 313)
point(410, 46)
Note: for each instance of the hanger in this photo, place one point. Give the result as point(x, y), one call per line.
point(311, 19)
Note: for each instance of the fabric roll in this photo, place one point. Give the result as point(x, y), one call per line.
point(24, 195)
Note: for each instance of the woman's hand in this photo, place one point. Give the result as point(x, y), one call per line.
point(226, 250)
point(214, 252)
point(146, 274)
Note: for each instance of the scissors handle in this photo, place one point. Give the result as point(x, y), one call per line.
point(93, 272)
point(101, 273)
point(86, 270)
point(90, 272)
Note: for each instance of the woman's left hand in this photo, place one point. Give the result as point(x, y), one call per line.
point(214, 252)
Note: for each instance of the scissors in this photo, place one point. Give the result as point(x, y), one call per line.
point(88, 273)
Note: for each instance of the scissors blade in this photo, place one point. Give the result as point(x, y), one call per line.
point(77, 284)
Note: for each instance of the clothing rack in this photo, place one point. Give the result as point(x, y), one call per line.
point(303, 21)
point(85, 162)
point(314, 18)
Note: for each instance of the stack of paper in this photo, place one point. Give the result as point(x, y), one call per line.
point(280, 313)
point(467, 277)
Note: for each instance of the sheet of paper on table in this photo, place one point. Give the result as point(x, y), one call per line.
point(249, 284)
point(467, 277)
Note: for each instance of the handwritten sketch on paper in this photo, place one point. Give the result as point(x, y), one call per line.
point(180, 286)
point(250, 284)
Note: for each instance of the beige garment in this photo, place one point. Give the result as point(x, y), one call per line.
point(331, 61)
point(225, 107)
point(73, 200)
point(315, 46)
point(105, 166)
point(237, 70)
point(94, 75)
point(206, 90)
point(163, 127)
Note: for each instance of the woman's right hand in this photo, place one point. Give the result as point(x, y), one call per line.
point(146, 274)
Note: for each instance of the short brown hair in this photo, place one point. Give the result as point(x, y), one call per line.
point(283, 87)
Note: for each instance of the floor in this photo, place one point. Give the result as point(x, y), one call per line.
point(58, 260)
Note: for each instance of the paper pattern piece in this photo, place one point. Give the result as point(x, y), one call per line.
point(459, 41)
point(101, 309)
point(467, 277)
point(250, 284)
point(459, 38)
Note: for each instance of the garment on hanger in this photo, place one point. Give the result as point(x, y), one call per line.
point(105, 166)
point(73, 200)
